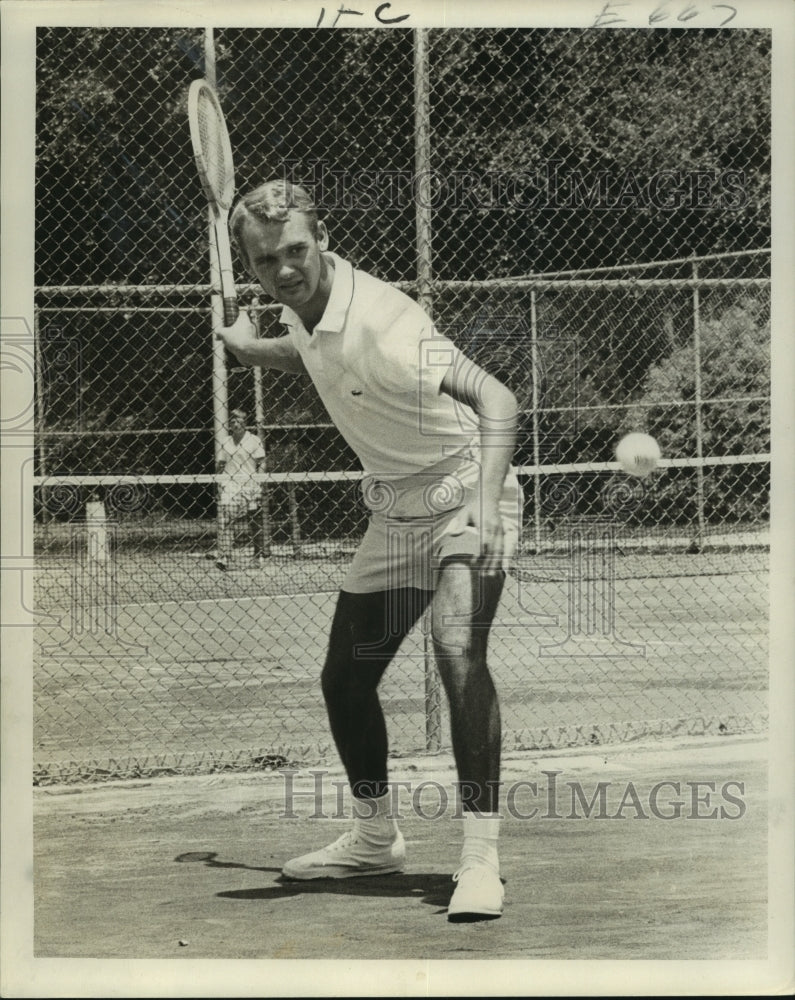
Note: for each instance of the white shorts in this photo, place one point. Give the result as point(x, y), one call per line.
point(400, 549)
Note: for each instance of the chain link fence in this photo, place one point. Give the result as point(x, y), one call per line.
point(585, 213)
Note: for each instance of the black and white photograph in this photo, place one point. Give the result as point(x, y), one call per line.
point(397, 456)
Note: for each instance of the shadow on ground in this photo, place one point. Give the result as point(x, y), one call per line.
point(431, 888)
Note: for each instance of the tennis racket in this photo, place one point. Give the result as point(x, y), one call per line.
point(213, 153)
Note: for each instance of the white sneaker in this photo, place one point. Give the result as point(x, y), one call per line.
point(347, 857)
point(478, 894)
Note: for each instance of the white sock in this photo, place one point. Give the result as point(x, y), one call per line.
point(481, 831)
point(373, 819)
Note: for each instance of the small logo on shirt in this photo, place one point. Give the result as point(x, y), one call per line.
point(356, 392)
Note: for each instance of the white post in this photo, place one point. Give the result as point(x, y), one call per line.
point(96, 598)
point(97, 531)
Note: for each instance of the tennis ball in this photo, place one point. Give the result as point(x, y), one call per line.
point(638, 454)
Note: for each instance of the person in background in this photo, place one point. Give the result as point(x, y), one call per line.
point(239, 497)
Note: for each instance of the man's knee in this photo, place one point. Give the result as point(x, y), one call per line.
point(465, 595)
point(462, 664)
point(463, 612)
point(454, 642)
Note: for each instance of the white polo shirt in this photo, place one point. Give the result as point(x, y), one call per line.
point(377, 363)
point(240, 466)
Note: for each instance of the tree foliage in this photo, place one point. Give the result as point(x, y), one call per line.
point(119, 201)
point(735, 371)
point(573, 125)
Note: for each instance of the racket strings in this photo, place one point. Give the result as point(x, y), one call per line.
point(214, 143)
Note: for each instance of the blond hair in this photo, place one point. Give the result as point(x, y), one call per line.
point(271, 202)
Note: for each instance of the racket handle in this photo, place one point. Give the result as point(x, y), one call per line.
point(231, 310)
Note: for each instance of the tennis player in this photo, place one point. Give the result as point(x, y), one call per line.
point(435, 435)
point(242, 456)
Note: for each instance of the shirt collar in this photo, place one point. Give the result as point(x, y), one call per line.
point(333, 318)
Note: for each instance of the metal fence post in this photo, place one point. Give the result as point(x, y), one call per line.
point(41, 447)
point(536, 429)
point(259, 411)
point(219, 379)
point(295, 519)
point(698, 541)
point(422, 163)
